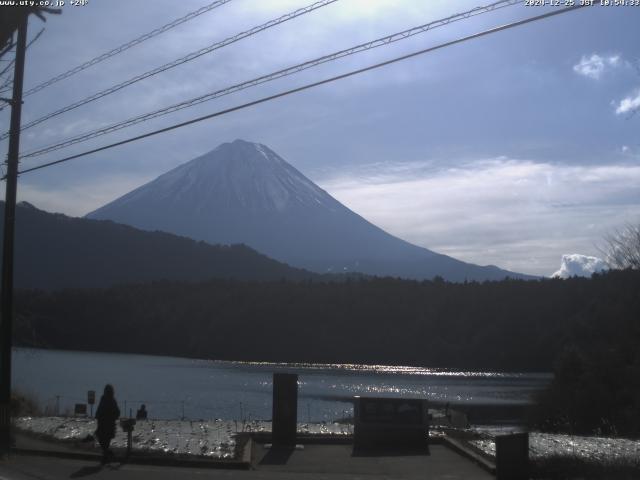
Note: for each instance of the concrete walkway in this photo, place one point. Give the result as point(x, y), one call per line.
point(334, 462)
point(324, 461)
point(37, 458)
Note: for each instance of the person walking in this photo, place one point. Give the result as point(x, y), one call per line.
point(107, 414)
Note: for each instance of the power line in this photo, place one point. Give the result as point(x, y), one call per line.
point(6, 87)
point(126, 46)
point(8, 67)
point(308, 86)
point(179, 61)
point(9, 79)
point(7, 47)
point(273, 76)
point(11, 62)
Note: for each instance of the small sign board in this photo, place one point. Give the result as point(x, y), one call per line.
point(127, 424)
point(91, 397)
point(80, 409)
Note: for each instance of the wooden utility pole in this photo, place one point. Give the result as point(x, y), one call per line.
point(6, 308)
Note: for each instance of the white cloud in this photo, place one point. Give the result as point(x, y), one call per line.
point(575, 264)
point(595, 65)
point(517, 214)
point(629, 104)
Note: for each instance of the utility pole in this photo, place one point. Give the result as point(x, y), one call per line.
point(6, 308)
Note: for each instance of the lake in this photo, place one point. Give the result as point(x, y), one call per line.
point(205, 389)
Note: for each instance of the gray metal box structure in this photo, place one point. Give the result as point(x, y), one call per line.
point(390, 422)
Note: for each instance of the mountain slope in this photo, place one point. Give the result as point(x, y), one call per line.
point(243, 192)
point(56, 251)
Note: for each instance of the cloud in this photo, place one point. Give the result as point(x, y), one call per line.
point(629, 104)
point(518, 214)
point(536, 211)
point(595, 65)
point(575, 264)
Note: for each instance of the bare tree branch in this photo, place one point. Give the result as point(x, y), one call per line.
point(622, 247)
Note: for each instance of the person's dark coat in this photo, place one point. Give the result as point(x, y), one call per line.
point(107, 414)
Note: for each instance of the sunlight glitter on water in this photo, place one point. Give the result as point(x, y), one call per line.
point(382, 369)
point(203, 389)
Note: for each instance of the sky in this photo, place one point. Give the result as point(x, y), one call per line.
point(513, 149)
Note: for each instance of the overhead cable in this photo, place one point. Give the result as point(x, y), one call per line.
point(125, 46)
point(5, 87)
point(179, 61)
point(13, 60)
point(308, 86)
point(273, 76)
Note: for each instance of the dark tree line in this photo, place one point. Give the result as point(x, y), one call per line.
point(588, 330)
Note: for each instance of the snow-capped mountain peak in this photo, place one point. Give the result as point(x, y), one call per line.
point(239, 175)
point(244, 192)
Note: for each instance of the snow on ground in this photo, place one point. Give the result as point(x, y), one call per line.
point(546, 445)
point(216, 438)
point(213, 438)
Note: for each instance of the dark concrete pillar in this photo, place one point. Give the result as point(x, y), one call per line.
point(285, 409)
point(512, 456)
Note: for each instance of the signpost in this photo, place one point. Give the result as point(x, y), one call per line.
point(91, 399)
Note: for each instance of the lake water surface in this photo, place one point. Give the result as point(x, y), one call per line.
point(205, 389)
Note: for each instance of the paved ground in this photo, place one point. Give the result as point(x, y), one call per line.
point(332, 462)
point(327, 460)
point(31, 442)
point(46, 468)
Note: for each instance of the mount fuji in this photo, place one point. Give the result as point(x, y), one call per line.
point(243, 192)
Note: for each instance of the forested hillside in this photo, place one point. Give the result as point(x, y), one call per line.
point(508, 325)
point(55, 251)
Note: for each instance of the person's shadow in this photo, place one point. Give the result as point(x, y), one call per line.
point(92, 470)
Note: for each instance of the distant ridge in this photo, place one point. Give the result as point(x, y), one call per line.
point(243, 192)
point(55, 251)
